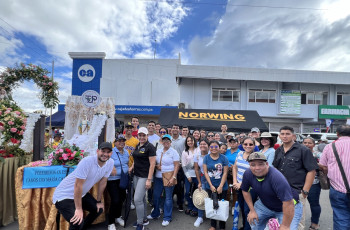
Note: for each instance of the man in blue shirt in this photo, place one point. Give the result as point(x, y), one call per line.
point(277, 198)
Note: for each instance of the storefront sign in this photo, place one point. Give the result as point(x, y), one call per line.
point(144, 110)
point(333, 112)
point(45, 176)
point(86, 73)
point(290, 102)
point(91, 98)
point(212, 116)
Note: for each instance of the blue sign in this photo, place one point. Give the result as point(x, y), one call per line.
point(317, 130)
point(86, 74)
point(143, 110)
point(45, 176)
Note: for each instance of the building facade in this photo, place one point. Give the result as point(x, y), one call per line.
point(144, 86)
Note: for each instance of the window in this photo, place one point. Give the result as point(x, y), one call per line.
point(262, 95)
point(314, 98)
point(225, 94)
point(343, 98)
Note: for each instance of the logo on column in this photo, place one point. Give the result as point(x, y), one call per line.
point(86, 73)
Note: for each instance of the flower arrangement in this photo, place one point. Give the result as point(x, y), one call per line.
point(66, 155)
point(12, 77)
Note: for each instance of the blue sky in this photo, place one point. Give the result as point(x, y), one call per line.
point(290, 34)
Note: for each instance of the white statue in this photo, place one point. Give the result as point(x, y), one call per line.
point(84, 126)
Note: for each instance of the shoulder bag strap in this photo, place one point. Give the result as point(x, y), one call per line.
point(121, 165)
point(341, 168)
point(160, 161)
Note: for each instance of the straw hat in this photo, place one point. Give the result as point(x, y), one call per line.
point(198, 198)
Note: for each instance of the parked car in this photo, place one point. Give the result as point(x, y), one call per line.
point(318, 136)
point(299, 137)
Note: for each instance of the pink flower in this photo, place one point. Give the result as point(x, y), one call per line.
point(61, 150)
point(65, 156)
point(10, 123)
point(15, 141)
point(74, 152)
point(82, 151)
point(0, 112)
point(50, 83)
point(21, 133)
point(57, 152)
point(44, 83)
point(17, 112)
point(13, 130)
point(7, 111)
point(23, 127)
point(10, 109)
point(2, 128)
point(45, 77)
point(49, 163)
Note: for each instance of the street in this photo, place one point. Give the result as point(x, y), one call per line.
point(182, 221)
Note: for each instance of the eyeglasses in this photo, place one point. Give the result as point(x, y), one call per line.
point(162, 132)
point(241, 136)
point(248, 144)
point(210, 135)
point(214, 147)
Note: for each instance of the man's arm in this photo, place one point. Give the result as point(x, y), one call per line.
point(101, 188)
point(288, 214)
point(310, 176)
point(252, 215)
point(78, 191)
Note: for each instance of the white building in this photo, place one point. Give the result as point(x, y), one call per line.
point(144, 86)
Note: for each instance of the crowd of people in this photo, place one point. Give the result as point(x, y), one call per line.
point(269, 180)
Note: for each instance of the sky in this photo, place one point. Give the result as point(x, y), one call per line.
point(289, 34)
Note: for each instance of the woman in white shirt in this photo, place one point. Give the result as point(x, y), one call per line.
point(187, 161)
point(167, 161)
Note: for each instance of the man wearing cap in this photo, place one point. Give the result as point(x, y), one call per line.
point(72, 195)
point(276, 198)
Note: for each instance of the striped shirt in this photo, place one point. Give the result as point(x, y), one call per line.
point(328, 159)
point(242, 165)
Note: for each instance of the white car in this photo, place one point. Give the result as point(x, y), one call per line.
point(318, 136)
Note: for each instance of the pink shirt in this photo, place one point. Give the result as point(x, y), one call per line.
point(328, 159)
point(187, 162)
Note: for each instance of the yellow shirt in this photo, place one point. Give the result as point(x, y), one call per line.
point(130, 145)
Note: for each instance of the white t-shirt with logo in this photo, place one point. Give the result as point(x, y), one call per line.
point(168, 159)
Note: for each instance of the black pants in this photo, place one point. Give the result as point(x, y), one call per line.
point(220, 197)
point(179, 189)
point(67, 208)
point(118, 196)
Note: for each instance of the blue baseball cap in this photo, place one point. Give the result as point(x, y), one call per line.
point(167, 136)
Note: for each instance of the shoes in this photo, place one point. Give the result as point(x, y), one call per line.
point(165, 223)
point(111, 227)
point(152, 218)
point(120, 221)
point(140, 227)
point(145, 222)
point(194, 213)
point(132, 206)
point(181, 208)
point(198, 222)
point(188, 212)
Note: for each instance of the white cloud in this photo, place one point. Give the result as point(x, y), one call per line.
point(279, 37)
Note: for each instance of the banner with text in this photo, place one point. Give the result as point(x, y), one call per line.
point(45, 176)
point(341, 112)
point(290, 102)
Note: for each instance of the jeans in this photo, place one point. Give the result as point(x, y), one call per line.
point(140, 198)
point(67, 209)
point(168, 205)
point(190, 205)
point(118, 196)
point(179, 187)
point(264, 214)
point(220, 197)
point(314, 200)
point(341, 209)
point(244, 207)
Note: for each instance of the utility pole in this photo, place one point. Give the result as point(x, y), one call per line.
point(53, 65)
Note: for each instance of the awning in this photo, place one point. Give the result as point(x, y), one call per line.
point(236, 120)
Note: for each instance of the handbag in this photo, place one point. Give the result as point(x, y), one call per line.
point(221, 213)
point(324, 181)
point(167, 176)
point(346, 183)
point(124, 177)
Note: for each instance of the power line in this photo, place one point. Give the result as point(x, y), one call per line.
point(236, 5)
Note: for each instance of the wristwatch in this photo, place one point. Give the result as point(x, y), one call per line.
point(174, 177)
point(305, 192)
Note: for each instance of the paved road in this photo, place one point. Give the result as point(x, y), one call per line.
point(182, 221)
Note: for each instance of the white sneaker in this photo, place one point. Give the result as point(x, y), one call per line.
point(132, 206)
point(165, 223)
point(111, 227)
point(198, 222)
point(120, 221)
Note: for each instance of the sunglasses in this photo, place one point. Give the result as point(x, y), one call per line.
point(214, 147)
point(248, 144)
point(210, 135)
point(162, 132)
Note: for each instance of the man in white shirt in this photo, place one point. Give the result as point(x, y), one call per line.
point(152, 136)
point(72, 195)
